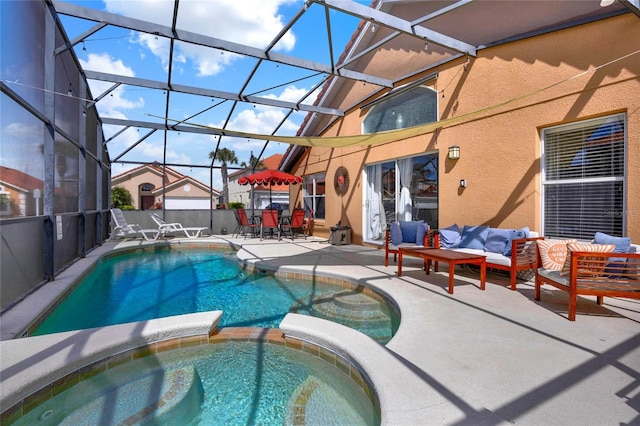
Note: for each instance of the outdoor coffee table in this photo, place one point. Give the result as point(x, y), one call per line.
point(451, 257)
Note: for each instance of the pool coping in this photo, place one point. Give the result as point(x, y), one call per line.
point(403, 395)
point(84, 366)
point(18, 321)
point(31, 367)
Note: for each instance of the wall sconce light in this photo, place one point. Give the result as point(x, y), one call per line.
point(463, 183)
point(454, 152)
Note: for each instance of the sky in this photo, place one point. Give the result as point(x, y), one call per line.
point(251, 22)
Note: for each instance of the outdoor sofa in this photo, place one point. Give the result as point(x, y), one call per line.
point(609, 266)
point(511, 250)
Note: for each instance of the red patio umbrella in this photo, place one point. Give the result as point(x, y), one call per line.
point(270, 177)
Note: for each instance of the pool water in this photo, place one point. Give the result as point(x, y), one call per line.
point(137, 286)
point(233, 383)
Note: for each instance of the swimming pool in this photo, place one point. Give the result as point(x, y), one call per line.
point(164, 281)
point(232, 383)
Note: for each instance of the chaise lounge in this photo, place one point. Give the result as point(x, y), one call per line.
point(175, 227)
point(122, 229)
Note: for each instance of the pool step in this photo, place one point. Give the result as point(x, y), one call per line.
point(315, 403)
point(161, 397)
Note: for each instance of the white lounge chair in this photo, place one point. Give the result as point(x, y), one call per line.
point(122, 229)
point(173, 228)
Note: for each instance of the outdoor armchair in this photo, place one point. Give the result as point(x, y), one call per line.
point(404, 234)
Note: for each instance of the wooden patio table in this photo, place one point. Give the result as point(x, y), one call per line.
point(451, 257)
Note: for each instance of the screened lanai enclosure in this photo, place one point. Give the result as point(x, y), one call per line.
point(92, 89)
point(64, 133)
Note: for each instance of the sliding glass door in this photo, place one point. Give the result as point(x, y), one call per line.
point(403, 189)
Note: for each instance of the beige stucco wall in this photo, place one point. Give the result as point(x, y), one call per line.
point(133, 181)
point(535, 83)
point(194, 191)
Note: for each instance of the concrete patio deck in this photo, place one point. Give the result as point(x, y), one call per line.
point(475, 357)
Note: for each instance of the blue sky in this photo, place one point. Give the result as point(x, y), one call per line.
point(251, 22)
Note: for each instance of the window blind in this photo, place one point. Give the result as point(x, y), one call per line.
point(583, 178)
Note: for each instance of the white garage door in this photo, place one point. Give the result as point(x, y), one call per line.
point(187, 204)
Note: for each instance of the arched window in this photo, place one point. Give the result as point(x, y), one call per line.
point(406, 109)
point(147, 187)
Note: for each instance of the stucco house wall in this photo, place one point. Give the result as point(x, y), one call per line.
point(509, 92)
point(181, 191)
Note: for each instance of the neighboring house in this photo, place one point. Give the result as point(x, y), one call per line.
point(20, 194)
point(546, 135)
point(261, 195)
point(145, 183)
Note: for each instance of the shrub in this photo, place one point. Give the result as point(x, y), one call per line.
point(235, 205)
point(121, 197)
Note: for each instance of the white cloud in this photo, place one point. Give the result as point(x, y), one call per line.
point(103, 62)
point(22, 131)
point(112, 105)
point(122, 142)
point(207, 61)
point(251, 22)
point(291, 93)
point(156, 11)
point(157, 151)
point(261, 119)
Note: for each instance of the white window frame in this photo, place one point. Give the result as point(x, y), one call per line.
point(313, 179)
point(548, 183)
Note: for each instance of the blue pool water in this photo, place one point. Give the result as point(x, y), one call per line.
point(161, 282)
point(234, 383)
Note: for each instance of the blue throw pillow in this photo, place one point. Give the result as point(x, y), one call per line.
point(474, 237)
point(410, 230)
point(450, 237)
point(518, 234)
point(623, 245)
point(422, 230)
point(498, 239)
point(524, 232)
point(396, 233)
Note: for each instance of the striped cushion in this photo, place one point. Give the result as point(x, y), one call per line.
point(553, 253)
point(588, 266)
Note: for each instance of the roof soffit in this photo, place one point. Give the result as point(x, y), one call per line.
point(483, 23)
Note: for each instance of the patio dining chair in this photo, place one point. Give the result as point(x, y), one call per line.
point(293, 223)
point(122, 229)
point(175, 227)
point(245, 224)
point(270, 222)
